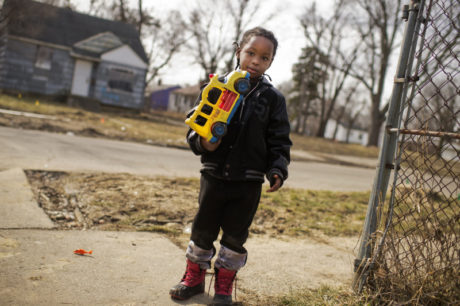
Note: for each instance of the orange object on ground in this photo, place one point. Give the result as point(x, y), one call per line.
point(82, 252)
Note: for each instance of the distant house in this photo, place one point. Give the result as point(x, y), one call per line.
point(56, 51)
point(354, 134)
point(158, 98)
point(183, 99)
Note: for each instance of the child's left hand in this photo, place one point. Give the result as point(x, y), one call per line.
point(277, 184)
point(208, 146)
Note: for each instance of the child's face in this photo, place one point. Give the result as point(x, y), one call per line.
point(256, 56)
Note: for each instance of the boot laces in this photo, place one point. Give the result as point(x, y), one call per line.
point(224, 283)
point(192, 277)
point(214, 275)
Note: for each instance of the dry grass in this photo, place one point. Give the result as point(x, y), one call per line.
point(419, 260)
point(132, 202)
point(314, 144)
point(298, 212)
point(325, 295)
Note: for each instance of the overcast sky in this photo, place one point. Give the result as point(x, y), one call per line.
point(285, 26)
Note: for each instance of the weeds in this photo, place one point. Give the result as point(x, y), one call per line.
point(331, 213)
point(325, 295)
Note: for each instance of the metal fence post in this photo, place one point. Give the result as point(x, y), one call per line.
point(387, 152)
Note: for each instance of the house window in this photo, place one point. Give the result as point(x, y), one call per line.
point(43, 58)
point(121, 79)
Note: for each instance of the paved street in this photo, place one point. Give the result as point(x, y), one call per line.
point(49, 151)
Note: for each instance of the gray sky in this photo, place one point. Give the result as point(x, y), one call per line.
point(285, 26)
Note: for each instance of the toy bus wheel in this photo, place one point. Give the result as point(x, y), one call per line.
point(219, 129)
point(242, 86)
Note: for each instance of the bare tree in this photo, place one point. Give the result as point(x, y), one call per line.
point(139, 16)
point(436, 104)
point(439, 70)
point(447, 113)
point(209, 44)
point(12, 14)
point(213, 32)
point(353, 116)
point(4, 15)
point(378, 23)
point(115, 10)
point(438, 110)
point(332, 53)
point(441, 44)
point(61, 3)
point(166, 40)
point(349, 108)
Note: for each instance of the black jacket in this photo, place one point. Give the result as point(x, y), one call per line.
point(257, 142)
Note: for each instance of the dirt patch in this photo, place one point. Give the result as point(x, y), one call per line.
point(30, 123)
point(121, 201)
point(116, 201)
point(90, 132)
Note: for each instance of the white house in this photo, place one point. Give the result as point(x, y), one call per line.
point(183, 99)
point(356, 134)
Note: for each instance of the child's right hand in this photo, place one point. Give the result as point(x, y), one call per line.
point(276, 184)
point(210, 147)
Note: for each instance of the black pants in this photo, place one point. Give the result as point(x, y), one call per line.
point(228, 205)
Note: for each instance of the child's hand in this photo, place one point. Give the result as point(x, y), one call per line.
point(276, 185)
point(209, 146)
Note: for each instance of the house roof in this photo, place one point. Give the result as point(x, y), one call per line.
point(162, 88)
point(189, 91)
point(65, 27)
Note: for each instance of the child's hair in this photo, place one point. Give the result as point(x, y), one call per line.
point(257, 31)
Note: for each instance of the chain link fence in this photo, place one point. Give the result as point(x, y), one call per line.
point(410, 247)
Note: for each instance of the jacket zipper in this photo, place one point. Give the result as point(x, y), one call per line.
point(247, 96)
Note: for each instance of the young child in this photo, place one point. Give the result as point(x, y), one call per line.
point(257, 144)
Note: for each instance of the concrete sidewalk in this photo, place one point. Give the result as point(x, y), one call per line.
point(38, 267)
point(18, 208)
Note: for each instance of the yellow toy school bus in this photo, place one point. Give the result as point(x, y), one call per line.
point(219, 101)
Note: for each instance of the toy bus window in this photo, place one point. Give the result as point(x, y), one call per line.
point(200, 120)
point(206, 109)
point(214, 95)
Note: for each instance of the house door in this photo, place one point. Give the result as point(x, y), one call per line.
point(81, 78)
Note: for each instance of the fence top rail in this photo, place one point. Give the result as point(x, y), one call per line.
point(425, 133)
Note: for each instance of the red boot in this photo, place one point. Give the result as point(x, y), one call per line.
point(223, 286)
point(192, 282)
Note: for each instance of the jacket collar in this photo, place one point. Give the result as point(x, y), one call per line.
point(266, 82)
